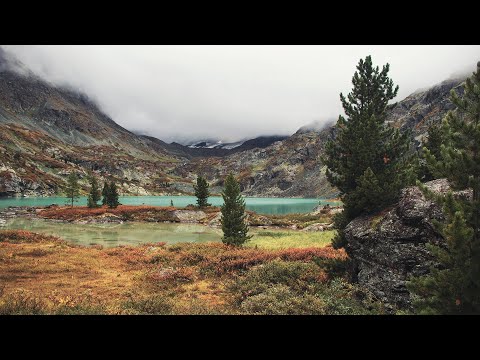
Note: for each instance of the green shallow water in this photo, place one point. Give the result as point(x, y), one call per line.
point(111, 235)
point(259, 205)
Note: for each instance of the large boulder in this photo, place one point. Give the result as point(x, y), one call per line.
point(389, 247)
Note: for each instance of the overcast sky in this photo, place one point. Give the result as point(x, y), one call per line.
point(232, 92)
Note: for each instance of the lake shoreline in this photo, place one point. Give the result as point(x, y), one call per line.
point(319, 220)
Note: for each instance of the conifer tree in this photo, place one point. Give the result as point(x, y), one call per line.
point(367, 160)
point(201, 192)
point(105, 192)
point(112, 199)
point(453, 287)
point(72, 188)
point(433, 144)
point(235, 229)
point(94, 195)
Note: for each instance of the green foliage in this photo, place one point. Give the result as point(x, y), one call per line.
point(234, 226)
point(368, 161)
point(433, 144)
point(112, 200)
point(201, 192)
point(453, 285)
point(110, 195)
point(72, 188)
point(154, 305)
point(105, 193)
point(94, 196)
point(294, 288)
point(340, 221)
point(280, 300)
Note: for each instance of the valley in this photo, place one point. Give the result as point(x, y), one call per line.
point(375, 212)
point(46, 132)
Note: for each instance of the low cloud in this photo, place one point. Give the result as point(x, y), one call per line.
point(186, 93)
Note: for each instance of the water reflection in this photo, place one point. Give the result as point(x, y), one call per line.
point(110, 235)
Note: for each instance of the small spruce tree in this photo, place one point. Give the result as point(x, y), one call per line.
point(105, 193)
point(201, 192)
point(453, 286)
point(72, 188)
point(234, 226)
point(94, 196)
point(112, 199)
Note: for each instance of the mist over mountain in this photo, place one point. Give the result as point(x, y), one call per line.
point(48, 131)
point(231, 93)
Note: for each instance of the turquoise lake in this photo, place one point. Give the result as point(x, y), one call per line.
point(259, 205)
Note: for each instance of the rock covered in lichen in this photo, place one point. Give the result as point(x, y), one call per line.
point(389, 247)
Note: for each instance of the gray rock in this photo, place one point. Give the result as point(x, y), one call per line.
point(389, 247)
point(189, 216)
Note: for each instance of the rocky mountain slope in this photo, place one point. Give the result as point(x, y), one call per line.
point(47, 131)
point(293, 166)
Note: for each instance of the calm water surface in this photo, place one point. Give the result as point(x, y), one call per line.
point(110, 235)
point(259, 205)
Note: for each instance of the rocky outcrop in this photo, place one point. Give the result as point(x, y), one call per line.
point(389, 247)
point(189, 216)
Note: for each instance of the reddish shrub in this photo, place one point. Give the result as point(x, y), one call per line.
point(19, 236)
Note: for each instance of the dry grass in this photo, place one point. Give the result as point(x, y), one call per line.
point(43, 274)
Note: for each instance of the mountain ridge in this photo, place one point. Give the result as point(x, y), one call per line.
point(48, 131)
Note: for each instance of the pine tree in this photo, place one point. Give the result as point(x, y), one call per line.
point(94, 195)
point(433, 144)
point(367, 161)
point(453, 287)
point(201, 192)
point(235, 229)
point(105, 193)
point(72, 188)
point(112, 199)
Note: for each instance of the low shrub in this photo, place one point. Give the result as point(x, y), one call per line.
point(280, 287)
point(280, 300)
point(152, 305)
point(23, 236)
point(21, 302)
point(295, 275)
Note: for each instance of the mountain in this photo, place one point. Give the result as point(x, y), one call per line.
point(293, 167)
point(47, 131)
point(209, 144)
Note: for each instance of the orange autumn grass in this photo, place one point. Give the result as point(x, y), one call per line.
point(193, 276)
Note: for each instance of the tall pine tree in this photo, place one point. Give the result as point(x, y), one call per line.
point(367, 160)
point(72, 188)
point(453, 287)
point(234, 226)
point(201, 192)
